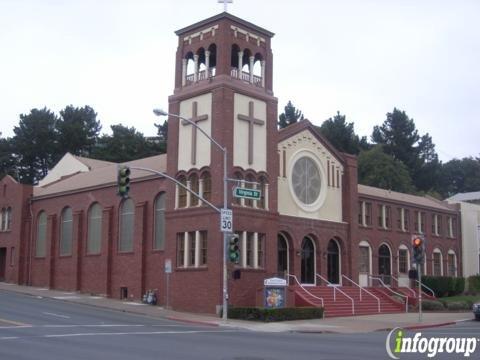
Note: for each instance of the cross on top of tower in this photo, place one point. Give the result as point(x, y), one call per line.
point(225, 2)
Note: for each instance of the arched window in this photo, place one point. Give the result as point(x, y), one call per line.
point(437, 263)
point(190, 66)
point(4, 220)
point(159, 240)
point(9, 219)
point(66, 232)
point(182, 193)
point(263, 193)
point(127, 223)
point(40, 245)
point(212, 59)
point(452, 263)
point(194, 187)
point(206, 186)
point(94, 239)
point(250, 179)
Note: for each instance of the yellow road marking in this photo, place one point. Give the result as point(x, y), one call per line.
point(10, 322)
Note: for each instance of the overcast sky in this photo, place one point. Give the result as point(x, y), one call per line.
point(360, 57)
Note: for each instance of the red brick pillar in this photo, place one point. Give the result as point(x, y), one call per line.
point(52, 248)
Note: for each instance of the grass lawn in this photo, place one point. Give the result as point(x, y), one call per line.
point(467, 298)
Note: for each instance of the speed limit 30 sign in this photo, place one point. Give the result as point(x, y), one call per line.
point(226, 220)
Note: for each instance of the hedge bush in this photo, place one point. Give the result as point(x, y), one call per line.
point(474, 284)
point(281, 314)
point(432, 305)
point(445, 285)
point(459, 305)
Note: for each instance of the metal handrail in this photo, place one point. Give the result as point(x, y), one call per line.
point(361, 288)
point(398, 285)
point(308, 292)
point(426, 287)
point(335, 288)
point(394, 292)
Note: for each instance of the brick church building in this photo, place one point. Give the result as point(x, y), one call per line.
point(314, 224)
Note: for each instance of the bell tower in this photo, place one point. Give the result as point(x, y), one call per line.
point(223, 82)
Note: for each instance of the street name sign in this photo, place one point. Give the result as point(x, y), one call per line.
point(253, 194)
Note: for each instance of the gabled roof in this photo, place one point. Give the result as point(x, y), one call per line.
point(470, 196)
point(224, 15)
point(291, 130)
point(92, 163)
point(100, 176)
point(415, 200)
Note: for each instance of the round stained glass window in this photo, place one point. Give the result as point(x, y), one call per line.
point(306, 180)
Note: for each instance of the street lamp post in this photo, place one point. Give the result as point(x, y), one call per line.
point(160, 112)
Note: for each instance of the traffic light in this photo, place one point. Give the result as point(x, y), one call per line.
point(123, 181)
point(234, 248)
point(418, 244)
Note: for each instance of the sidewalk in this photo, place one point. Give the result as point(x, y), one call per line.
point(352, 324)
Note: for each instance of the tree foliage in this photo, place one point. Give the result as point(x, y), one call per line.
point(7, 161)
point(401, 140)
point(35, 144)
point(78, 130)
point(379, 169)
point(459, 176)
point(342, 135)
point(290, 116)
point(125, 144)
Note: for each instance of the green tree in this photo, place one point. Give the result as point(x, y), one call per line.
point(7, 159)
point(290, 116)
point(459, 176)
point(78, 130)
point(162, 130)
point(401, 140)
point(125, 144)
point(342, 135)
point(35, 144)
point(376, 168)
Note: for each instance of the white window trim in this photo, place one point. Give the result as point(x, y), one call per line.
point(437, 251)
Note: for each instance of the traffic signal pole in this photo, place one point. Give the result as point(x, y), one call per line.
point(419, 271)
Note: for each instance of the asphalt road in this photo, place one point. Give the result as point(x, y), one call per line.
point(37, 328)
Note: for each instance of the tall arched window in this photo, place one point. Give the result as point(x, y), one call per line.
point(9, 218)
point(159, 241)
point(207, 186)
point(66, 232)
point(194, 187)
point(4, 220)
point(239, 177)
point(127, 223)
point(250, 179)
point(94, 240)
point(182, 193)
point(40, 245)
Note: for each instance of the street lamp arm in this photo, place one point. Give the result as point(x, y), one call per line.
point(160, 112)
point(178, 183)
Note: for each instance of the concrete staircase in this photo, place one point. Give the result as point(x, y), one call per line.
point(340, 303)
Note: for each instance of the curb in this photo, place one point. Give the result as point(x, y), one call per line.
point(419, 327)
point(188, 321)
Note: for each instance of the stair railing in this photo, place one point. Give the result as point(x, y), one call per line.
point(362, 289)
point(426, 287)
point(398, 285)
point(308, 292)
point(335, 289)
point(389, 289)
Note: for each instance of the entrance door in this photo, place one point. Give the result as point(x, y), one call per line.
point(308, 262)
point(3, 263)
point(282, 265)
point(384, 264)
point(333, 262)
